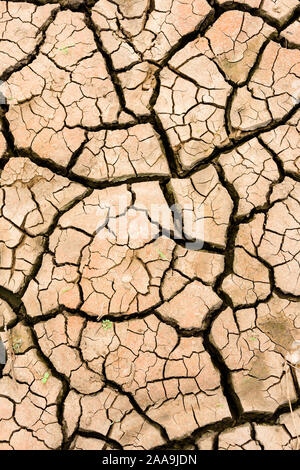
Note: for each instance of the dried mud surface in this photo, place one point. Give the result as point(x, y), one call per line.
point(121, 342)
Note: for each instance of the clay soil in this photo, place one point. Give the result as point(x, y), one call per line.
point(136, 338)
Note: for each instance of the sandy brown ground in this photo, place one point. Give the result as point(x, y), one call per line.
point(142, 342)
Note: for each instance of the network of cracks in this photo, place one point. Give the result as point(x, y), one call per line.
point(136, 338)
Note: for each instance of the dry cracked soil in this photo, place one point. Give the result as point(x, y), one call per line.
point(120, 334)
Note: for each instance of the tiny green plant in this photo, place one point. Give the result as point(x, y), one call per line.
point(106, 324)
point(253, 338)
point(66, 290)
point(64, 50)
point(162, 255)
point(17, 343)
point(46, 377)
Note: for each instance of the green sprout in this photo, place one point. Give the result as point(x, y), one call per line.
point(162, 255)
point(64, 50)
point(106, 324)
point(66, 290)
point(46, 377)
point(253, 338)
point(17, 345)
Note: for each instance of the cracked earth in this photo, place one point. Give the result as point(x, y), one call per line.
point(118, 341)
